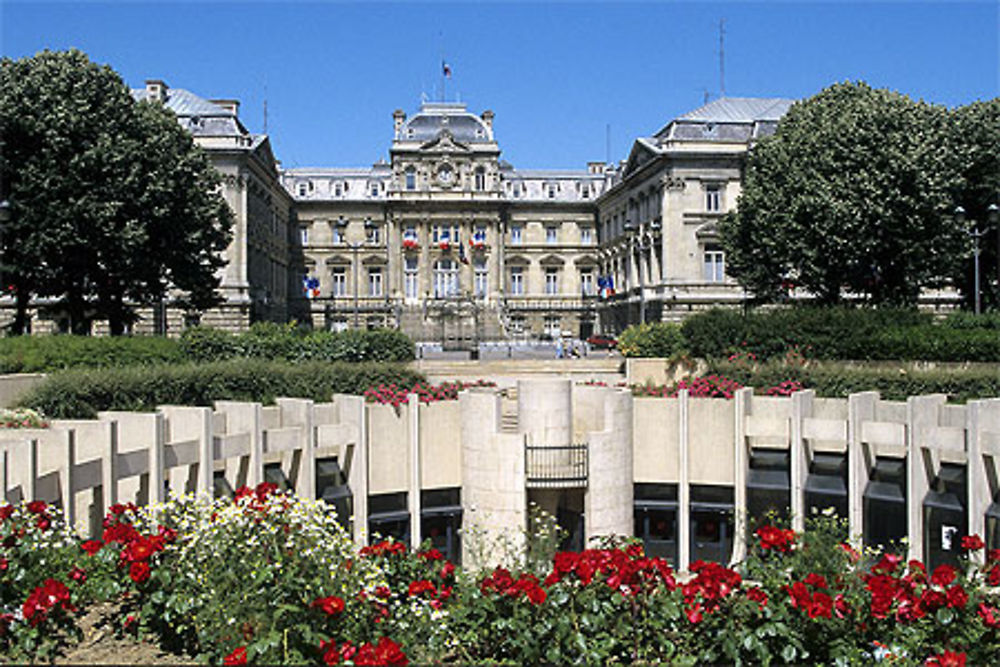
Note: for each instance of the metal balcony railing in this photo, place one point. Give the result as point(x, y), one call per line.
point(556, 466)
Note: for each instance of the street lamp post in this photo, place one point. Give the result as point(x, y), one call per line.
point(5, 216)
point(975, 233)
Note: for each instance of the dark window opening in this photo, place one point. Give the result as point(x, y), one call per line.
point(884, 510)
point(389, 516)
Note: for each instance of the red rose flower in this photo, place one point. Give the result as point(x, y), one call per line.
point(139, 572)
point(237, 657)
point(6, 512)
point(947, 659)
point(91, 546)
point(331, 605)
point(957, 597)
point(972, 543)
point(78, 575)
point(36, 506)
point(943, 575)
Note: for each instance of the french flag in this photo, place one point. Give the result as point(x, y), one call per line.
point(446, 69)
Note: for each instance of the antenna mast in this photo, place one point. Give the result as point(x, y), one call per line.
point(265, 107)
point(722, 57)
point(607, 144)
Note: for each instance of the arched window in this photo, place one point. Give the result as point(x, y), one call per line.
point(445, 278)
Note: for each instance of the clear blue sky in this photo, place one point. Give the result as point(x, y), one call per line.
point(556, 74)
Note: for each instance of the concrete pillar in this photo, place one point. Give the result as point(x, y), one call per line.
point(983, 442)
point(860, 459)
point(247, 418)
point(802, 407)
point(545, 411)
point(741, 461)
point(684, 480)
point(298, 412)
point(494, 499)
point(921, 419)
point(413, 496)
point(353, 412)
point(608, 500)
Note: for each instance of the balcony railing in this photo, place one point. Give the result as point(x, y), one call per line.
point(556, 466)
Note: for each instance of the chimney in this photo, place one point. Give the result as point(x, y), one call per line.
point(156, 90)
point(595, 167)
point(232, 106)
point(488, 119)
point(398, 118)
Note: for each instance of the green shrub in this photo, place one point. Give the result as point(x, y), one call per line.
point(81, 394)
point(656, 339)
point(832, 333)
point(266, 340)
point(42, 354)
point(837, 381)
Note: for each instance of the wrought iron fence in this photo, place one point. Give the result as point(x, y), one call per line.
point(556, 466)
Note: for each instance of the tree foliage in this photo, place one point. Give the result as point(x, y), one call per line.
point(112, 203)
point(854, 193)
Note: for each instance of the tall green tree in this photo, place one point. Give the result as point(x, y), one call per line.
point(112, 203)
point(975, 141)
point(852, 194)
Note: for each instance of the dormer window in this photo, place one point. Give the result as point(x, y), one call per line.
point(411, 178)
point(337, 190)
point(374, 189)
point(480, 180)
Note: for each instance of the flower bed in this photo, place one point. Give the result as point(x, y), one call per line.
point(271, 578)
point(711, 386)
point(22, 418)
point(395, 395)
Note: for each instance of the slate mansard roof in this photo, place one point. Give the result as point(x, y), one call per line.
point(197, 115)
point(727, 119)
point(434, 117)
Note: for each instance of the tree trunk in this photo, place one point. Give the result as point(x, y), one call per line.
point(76, 308)
point(22, 298)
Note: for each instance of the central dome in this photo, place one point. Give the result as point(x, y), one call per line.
point(435, 117)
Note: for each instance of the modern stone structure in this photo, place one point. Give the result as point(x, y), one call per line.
point(686, 475)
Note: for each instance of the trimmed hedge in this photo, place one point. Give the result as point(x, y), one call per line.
point(81, 394)
point(844, 333)
point(285, 342)
point(43, 354)
point(264, 340)
point(837, 380)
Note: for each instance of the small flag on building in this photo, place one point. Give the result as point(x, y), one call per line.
point(310, 287)
point(461, 253)
point(445, 70)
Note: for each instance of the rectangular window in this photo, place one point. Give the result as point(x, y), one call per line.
point(715, 265)
point(553, 325)
point(375, 282)
point(516, 281)
point(339, 275)
point(441, 233)
point(337, 190)
point(481, 279)
point(586, 235)
point(552, 281)
point(339, 229)
point(411, 179)
point(552, 192)
point(587, 283)
point(374, 189)
point(586, 192)
point(374, 233)
point(304, 235)
point(551, 234)
point(515, 234)
point(713, 198)
point(480, 179)
point(410, 284)
point(517, 324)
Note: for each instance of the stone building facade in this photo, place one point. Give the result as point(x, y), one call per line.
point(451, 243)
point(657, 223)
point(446, 240)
